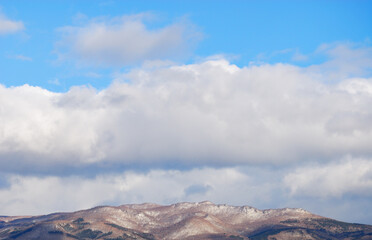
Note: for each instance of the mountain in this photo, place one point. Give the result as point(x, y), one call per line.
point(203, 220)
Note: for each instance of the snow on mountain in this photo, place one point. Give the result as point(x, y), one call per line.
point(203, 220)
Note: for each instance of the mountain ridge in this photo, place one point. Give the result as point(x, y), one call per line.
point(185, 220)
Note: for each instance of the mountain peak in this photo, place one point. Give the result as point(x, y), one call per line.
point(186, 220)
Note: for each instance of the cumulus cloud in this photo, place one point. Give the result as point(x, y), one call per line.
point(8, 26)
point(125, 41)
point(349, 176)
point(209, 113)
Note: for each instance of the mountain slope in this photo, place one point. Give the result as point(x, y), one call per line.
point(203, 220)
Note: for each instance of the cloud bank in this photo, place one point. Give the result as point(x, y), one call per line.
point(263, 135)
point(209, 113)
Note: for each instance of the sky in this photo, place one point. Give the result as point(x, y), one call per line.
point(258, 103)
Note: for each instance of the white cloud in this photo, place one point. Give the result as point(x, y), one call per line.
point(21, 57)
point(92, 75)
point(349, 176)
point(55, 82)
point(125, 40)
point(208, 113)
point(344, 60)
point(293, 54)
point(40, 195)
point(8, 26)
point(298, 56)
point(261, 187)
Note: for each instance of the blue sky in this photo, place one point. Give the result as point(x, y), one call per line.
point(260, 103)
point(246, 31)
